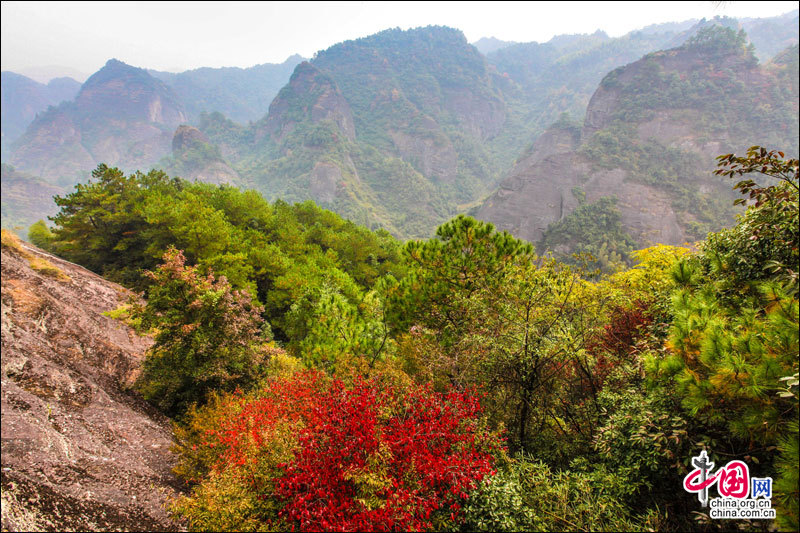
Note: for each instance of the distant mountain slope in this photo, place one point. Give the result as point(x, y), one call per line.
point(242, 94)
point(122, 116)
point(541, 81)
point(487, 45)
point(26, 199)
point(388, 130)
point(79, 451)
point(23, 98)
point(648, 144)
point(774, 34)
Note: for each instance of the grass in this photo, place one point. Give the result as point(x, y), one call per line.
point(39, 264)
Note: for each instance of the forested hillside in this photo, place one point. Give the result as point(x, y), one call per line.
point(638, 170)
point(399, 130)
point(23, 98)
point(242, 94)
point(323, 376)
point(121, 115)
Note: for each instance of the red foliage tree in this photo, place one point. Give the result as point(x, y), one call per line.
point(614, 343)
point(369, 457)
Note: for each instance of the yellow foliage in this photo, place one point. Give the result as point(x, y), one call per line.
point(651, 272)
point(39, 264)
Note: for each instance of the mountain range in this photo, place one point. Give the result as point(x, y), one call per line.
point(404, 129)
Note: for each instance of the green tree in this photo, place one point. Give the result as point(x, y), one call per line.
point(466, 256)
point(40, 235)
point(207, 336)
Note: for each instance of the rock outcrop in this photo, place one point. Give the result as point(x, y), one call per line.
point(196, 159)
point(122, 116)
point(309, 96)
point(651, 132)
point(79, 451)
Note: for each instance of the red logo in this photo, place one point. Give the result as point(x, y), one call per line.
point(732, 480)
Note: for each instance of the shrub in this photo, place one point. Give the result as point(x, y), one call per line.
point(314, 454)
point(207, 336)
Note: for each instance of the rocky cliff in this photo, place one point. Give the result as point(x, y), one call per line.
point(651, 133)
point(23, 98)
point(388, 130)
point(122, 116)
point(80, 452)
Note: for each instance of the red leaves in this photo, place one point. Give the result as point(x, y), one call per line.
point(368, 457)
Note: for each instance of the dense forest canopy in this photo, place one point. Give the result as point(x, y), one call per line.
point(561, 398)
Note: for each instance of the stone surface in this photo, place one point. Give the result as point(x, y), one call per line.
point(79, 450)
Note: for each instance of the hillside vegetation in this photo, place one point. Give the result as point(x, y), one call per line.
point(324, 377)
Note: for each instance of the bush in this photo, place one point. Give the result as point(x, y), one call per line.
point(207, 336)
point(313, 454)
point(529, 496)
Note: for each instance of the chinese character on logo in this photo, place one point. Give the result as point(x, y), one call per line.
point(702, 468)
point(762, 486)
point(733, 480)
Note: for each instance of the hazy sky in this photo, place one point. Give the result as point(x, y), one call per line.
point(184, 35)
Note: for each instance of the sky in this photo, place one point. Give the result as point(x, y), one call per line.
point(177, 36)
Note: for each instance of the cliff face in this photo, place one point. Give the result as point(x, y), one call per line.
point(122, 116)
point(79, 451)
point(23, 98)
point(651, 132)
point(387, 130)
point(309, 96)
point(193, 158)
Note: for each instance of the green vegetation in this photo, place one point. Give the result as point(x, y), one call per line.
point(459, 382)
point(594, 231)
point(207, 336)
point(120, 226)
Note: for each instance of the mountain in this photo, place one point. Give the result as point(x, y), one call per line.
point(388, 130)
point(80, 452)
point(122, 116)
point(23, 98)
point(487, 45)
point(26, 199)
point(774, 34)
point(242, 94)
point(540, 81)
point(640, 165)
point(193, 158)
point(47, 73)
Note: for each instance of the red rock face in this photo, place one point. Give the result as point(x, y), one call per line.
point(80, 451)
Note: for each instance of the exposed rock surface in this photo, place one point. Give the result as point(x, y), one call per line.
point(541, 187)
point(310, 95)
point(199, 160)
point(79, 451)
point(122, 116)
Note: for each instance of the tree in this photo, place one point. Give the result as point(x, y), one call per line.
point(101, 223)
point(207, 336)
point(466, 256)
point(313, 454)
point(765, 242)
point(40, 235)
